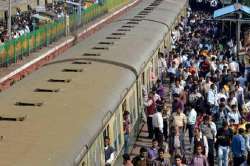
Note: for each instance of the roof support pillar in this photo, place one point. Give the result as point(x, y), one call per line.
point(238, 28)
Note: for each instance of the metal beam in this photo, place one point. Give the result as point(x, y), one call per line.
point(9, 20)
point(229, 19)
point(73, 3)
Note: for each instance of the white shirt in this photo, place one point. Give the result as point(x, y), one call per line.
point(213, 66)
point(162, 64)
point(219, 96)
point(172, 70)
point(234, 115)
point(158, 121)
point(211, 97)
point(157, 97)
point(233, 101)
point(213, 127)
point(192, 117)
point(248, 142)
point(177, 90)
point(112, 156)
point(234, 66)
point(242, 81)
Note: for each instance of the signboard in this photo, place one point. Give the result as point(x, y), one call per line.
point(4, 4)
point(40, 8)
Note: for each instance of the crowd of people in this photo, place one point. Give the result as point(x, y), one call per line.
point(210, 99)
point(23, 22)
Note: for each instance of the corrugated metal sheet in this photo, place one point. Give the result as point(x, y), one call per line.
point(231, 9)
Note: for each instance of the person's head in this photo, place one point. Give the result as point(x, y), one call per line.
point(197, 132)
point(212, 86)
point(225, 125)
point(143, 152)
point(154, 143)
point(231, 94)
point(150, 95)
point(208, 79)
point(106, 141)
point(126, 158)
point(241, 131)
point(234, 108)
point(178, 160)
point(177, 82)
point(199, 149)
point(248, 127)
point(158, 82)
point(210, 118)
point(206, 119)
point(126, 115)
point(237, 85)
point(161, 153)
point(222, 102)
point(231, 122)
point(176, 96)
point(178, 109)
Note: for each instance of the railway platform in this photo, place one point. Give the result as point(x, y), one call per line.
point(142, 139)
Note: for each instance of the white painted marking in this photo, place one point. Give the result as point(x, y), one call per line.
point(63, 44)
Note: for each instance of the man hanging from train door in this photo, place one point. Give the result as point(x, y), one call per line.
point(109, 152)
point(150, 110)
point(126, 129)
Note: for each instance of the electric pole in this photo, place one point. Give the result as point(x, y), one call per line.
point(9, 20)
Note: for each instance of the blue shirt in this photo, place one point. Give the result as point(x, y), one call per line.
point(238, 145)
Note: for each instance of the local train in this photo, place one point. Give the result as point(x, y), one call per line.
point(59, 115)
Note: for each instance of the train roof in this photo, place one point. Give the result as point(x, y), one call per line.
point(68, 119)
point(70, 116)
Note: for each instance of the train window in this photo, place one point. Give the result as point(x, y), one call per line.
point(131, 105)
point(97, 153)
point(115, 132)
point(143, 78)
point(124, 106)
point(119, 128)
point(106, 132)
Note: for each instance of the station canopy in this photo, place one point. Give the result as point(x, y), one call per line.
point(232, 11)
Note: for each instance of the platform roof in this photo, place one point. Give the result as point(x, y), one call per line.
point(231, 9)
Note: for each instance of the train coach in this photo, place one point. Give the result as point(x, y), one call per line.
point(60, 114)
